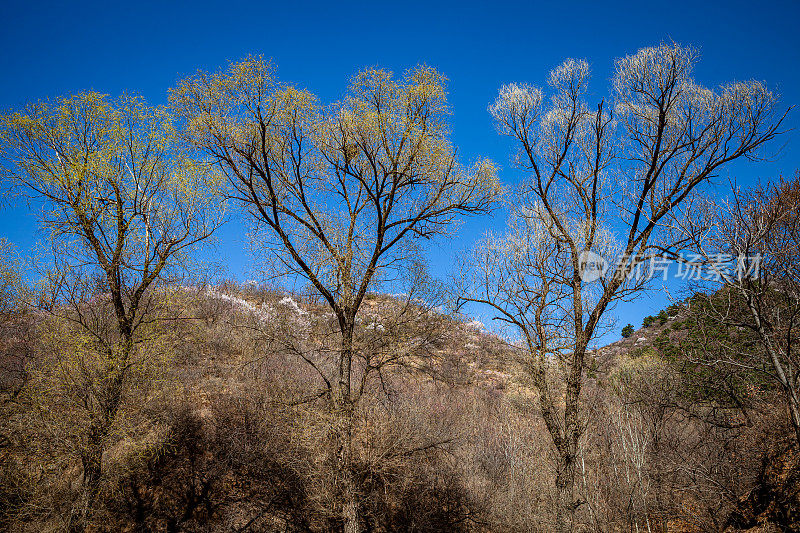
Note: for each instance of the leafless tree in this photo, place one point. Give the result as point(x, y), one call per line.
point(601, 180)
point(749, 248)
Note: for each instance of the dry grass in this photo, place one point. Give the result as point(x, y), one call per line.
point(452, 442)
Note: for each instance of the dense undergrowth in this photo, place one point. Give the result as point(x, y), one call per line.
point(229, 436)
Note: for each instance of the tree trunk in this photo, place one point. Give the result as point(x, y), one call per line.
point(352, 519)
point(565, 497)
point(347, 484)
point(92, 463)
point(565, 440)
point(662, 524)
point(568, 451)
point(794, 410)
point(99, 429)
point(345, 408)
point(92, 460)
point(774, 353)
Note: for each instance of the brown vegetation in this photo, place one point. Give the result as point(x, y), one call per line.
point(220, 444)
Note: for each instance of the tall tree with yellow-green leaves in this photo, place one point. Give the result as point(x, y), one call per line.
point(123, 207)
point(337, 193)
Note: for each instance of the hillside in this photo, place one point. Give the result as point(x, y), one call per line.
point(764, 483)
point(231, 433)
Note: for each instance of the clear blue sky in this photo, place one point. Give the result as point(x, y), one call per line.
point(54, 48)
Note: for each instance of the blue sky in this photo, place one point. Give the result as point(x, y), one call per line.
point(48, 49)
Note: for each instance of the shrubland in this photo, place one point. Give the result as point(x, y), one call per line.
point(225, 437)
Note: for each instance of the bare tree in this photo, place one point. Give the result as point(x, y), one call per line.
point(600, 180)
point(123, 208)
point(337, 193)
point(749, 247)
